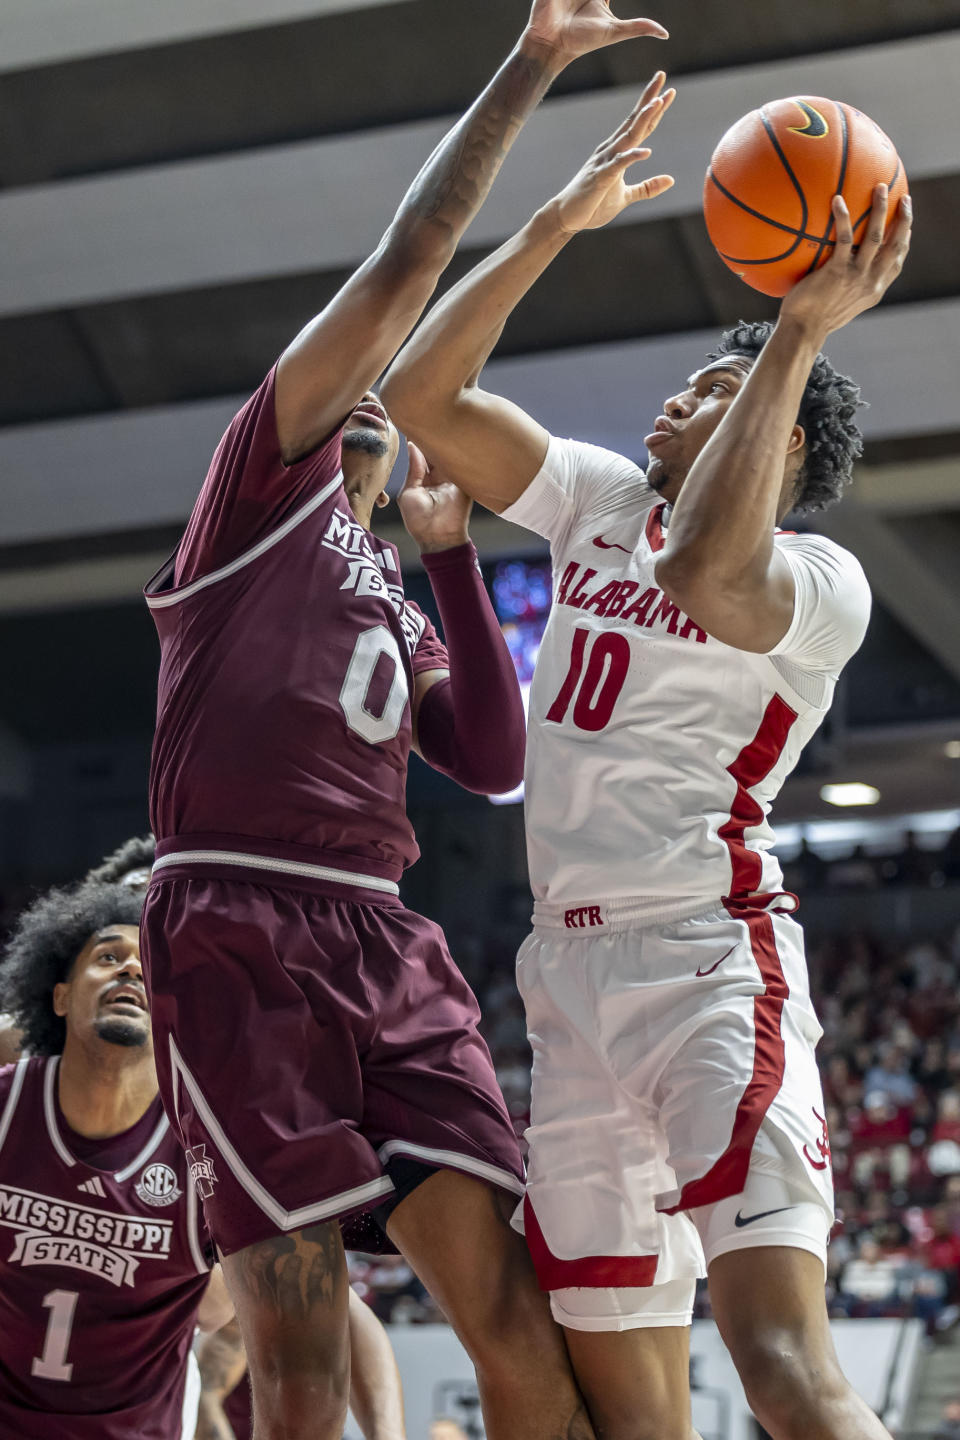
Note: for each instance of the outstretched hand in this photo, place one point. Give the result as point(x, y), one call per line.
point(571, 28)
point(435, 511)
point(599, 191)
point(854, 278)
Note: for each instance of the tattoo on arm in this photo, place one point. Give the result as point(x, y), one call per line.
point(453, 184)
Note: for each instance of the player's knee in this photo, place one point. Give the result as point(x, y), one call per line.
point(785, 1383)
point(302, 1404)
point(300, 1384)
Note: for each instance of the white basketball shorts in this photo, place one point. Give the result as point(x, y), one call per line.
point(677, 1111)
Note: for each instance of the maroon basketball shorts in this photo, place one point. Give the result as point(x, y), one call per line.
point(307, 1033)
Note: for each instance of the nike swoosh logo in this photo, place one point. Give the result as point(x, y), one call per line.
point(602, 544)
point(816, 127)
point(741, 1220)
point(719, 962)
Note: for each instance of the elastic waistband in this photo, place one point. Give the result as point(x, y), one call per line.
point(627, 913)
point(245, 857)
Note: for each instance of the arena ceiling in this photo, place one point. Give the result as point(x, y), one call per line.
point(183, 185)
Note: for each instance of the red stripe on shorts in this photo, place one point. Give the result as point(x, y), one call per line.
point(728, 1175)
point(595, 1272)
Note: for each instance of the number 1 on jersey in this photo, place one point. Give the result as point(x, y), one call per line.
point(604, 679)
point(51, 1365)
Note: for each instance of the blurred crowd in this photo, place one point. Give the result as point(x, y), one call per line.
point(861, 868)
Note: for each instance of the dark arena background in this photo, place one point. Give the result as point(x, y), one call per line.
point(181, 187)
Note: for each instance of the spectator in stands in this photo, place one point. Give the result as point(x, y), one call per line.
point(857, 871)
point(880, 1140)
point(870, 1281)
point(941, 1251)
point(806, 871)
point(949, 1428)
point(891, 1078)
point(913, 865)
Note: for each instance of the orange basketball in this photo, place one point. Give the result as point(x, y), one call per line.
point(767, 193)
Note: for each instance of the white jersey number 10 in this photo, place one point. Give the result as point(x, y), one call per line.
point(599, 688)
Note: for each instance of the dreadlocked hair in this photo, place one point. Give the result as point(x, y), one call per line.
point(130, 862)
point(46, 941)
point(830, 402)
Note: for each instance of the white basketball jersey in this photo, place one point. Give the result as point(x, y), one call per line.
point(654, 751)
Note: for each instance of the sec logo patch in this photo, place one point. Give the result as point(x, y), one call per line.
point(158, 1185)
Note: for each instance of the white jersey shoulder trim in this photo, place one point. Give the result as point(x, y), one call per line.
point(16, 1085)
point(185, 592)
point(163, 1125)
point(50, 1111)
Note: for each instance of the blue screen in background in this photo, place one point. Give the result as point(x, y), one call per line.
point(522, 590)
point(522, 594)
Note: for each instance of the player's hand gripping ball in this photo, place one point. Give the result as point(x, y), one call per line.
point(767, 193)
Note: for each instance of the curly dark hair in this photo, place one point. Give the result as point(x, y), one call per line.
point(827, 411)
point(134, 856)
point(46, 941)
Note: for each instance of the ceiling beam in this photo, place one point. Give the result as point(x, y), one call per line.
point(137, 469)
point(322, 205)
point(47, 32)
point(908, 489)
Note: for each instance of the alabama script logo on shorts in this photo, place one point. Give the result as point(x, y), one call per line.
point(821, 1160)
point(202, 1172)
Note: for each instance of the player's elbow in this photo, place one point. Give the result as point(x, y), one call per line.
point(497, 776)
point(399, 393)
point(680, 575)
point(414, 402)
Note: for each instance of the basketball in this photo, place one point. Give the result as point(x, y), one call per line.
point(767, 192)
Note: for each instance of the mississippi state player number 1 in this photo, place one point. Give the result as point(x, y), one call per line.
point(599, 690)
point(51, 1365)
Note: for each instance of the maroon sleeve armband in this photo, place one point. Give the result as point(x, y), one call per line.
point(471, 727)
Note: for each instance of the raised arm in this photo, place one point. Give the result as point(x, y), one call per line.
point(489, 446)
point(338, 356)
point(720, 563)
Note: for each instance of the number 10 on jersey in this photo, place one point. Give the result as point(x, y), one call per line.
point(597, 685)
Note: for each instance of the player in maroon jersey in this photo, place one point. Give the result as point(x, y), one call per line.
point(44, 956)
point(318, 1051)
point(104, 1257)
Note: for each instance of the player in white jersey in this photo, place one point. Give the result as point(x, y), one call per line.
point(691, 652)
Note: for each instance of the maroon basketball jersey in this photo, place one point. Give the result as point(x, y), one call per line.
point(288, 653)
point(101, 1272)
